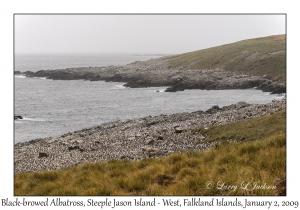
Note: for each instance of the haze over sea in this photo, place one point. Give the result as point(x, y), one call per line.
point(53, 107)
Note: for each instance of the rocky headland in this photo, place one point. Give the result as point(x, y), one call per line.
point(157, 72)
point(133, 139)
point(259, 63)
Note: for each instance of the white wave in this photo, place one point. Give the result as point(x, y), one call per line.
point(281, 95)
point(120, 86)
point(40, 77)
point(21, 76)
point(33, 119)
point(162, 90)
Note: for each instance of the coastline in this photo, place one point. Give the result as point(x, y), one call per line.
point(135, 139)
point(157, 73)
point(161, 135)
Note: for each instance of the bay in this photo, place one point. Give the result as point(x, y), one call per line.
point(55, 107)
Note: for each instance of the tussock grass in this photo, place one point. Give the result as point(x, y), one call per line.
point(260, 56)
point(260, 160)
point(248, 130)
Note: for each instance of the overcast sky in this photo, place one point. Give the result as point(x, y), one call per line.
point(163, 34)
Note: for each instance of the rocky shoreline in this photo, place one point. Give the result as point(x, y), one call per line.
point(157, 72)
point(133, 139)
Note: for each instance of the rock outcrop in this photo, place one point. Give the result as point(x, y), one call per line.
point(156, 73)
point(18, 117)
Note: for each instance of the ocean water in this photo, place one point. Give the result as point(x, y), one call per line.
point(55, 107)
point(35, 63)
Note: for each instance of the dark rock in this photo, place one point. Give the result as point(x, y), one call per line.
point(175, 88)
point(213, 109)
point(279, 90)
point(239, 105)
point(67, 134)
point(18, 117)
point(273, 87)
point(17, 72)
point(75, 147)
point(95, 78)
point(28, 73)
point(153, 74)
point(151, 123)
point(35, 140)
point(160, 137)
point(242, 104)
point(133, 85)
point(43, 154)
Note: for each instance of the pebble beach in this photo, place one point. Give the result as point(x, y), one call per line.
point(136, 139)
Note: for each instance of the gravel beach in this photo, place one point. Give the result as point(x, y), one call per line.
point(152, 136)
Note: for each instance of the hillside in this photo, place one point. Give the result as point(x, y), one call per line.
point(178, 154)
point(259, 63)
point(254, 159)
point(259, 56)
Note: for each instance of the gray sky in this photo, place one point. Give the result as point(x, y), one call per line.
point(165, 34)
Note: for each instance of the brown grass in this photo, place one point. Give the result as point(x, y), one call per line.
point(260, 56)
point(215, 171)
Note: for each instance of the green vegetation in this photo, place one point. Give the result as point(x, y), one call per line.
point(248, 130)
point(261, 160)
point(260, 56)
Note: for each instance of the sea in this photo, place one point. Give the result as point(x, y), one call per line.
point(51, 108)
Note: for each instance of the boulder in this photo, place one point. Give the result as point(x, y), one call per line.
point(151, 123)
point(43, 154)
point(75, 147)
point(213, 109)
point(18, 117)
point(279, 90)
point(178, 129)
point(160, 137)
point(149, 141)
point(131, 138)
point(138, 135)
